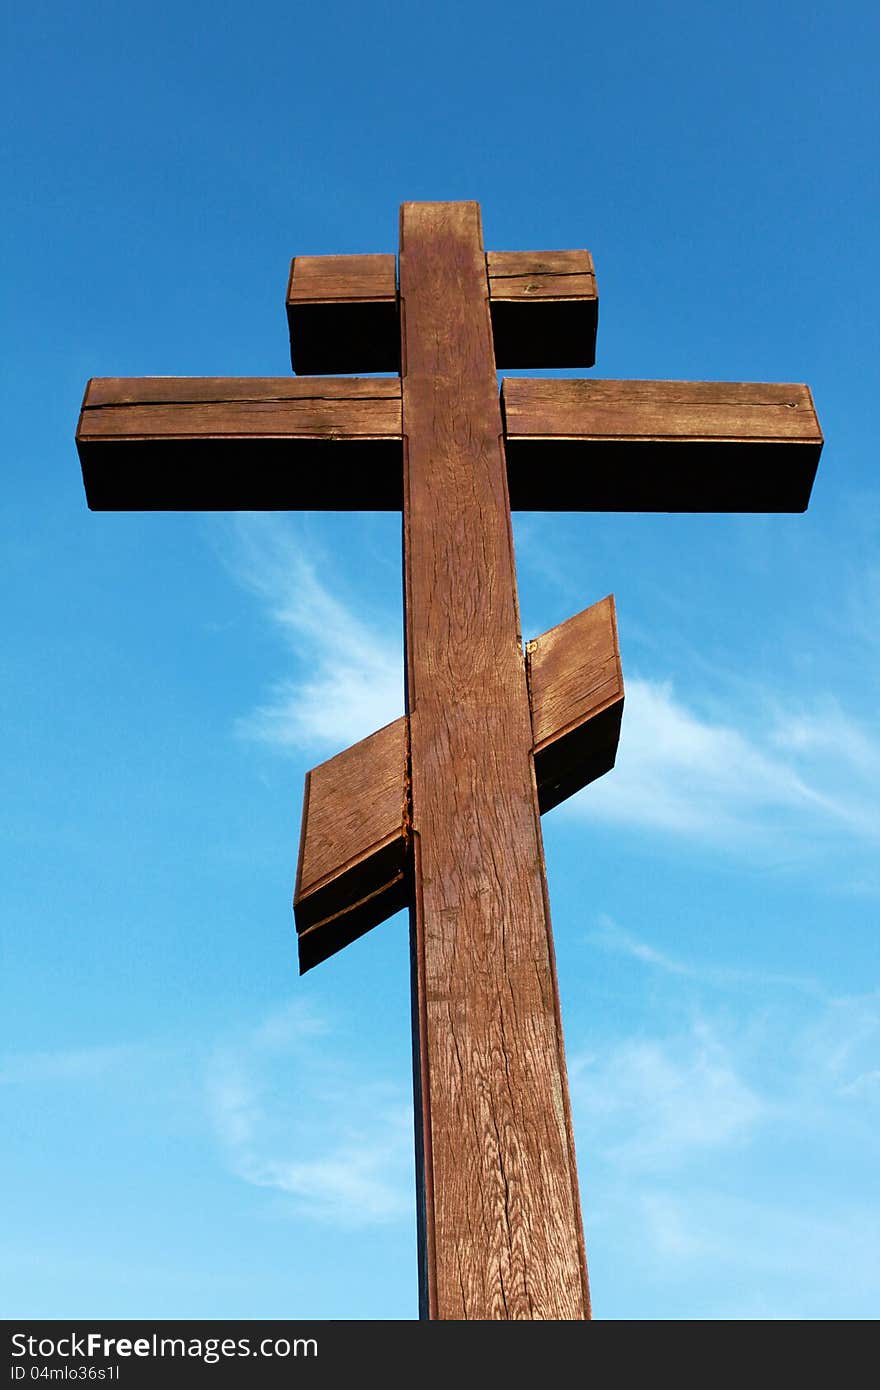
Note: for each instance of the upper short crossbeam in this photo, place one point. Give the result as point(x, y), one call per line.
point(343, 313)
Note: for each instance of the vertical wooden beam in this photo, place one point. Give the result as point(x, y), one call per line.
point(500, 1224)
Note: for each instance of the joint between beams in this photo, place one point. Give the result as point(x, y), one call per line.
point(406, 813)
point(351, 907)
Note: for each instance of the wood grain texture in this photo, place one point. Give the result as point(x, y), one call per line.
point(532, 287)
point(545, 274)
point(576, 697)
point(353, 860)
point(204, 390)
point(353, 868)
point(660, 445)
point(172, 443)
point(328, 278)
point(342, 311)
point(342, 314)
point(689, 410)
point(500, 1229)
point(500, 264)
point(544, 308)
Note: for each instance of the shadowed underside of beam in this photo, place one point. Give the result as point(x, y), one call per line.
point(354, 869)
point(343, 312)
point(660, 446)
point(241, 444)
point(227, 444)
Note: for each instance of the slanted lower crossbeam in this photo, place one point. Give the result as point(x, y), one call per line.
point(355, 865)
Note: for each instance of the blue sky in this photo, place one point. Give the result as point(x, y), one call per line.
point(190, 1129)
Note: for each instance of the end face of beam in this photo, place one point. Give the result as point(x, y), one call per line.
point(342, 314)
point(664, 446)
point(544, 307)
point(353, 868)
point(576, 697)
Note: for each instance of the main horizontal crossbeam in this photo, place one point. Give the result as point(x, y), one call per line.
point(319, 443)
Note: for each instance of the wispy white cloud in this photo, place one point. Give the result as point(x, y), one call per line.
point(70, 1065)
point(292, 1117)
point(828, 733)
point(829, 1045)
point(352, 1183)
point(706, 1251)
point(690, 1131)
point(289, 1027)
point(663, 1103)
point(289, 1109)
point(707, 779)
point(767, 1242)
point(348, 678)
point(655, 1102)
point(840, 1047)
point(611, 937)
point(866, 1085)
point(764, 779)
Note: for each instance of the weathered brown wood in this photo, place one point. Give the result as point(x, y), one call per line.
point(325, 278)
point(342, 311)
point(173, 443)
point(500, 1227)
point(576, 698)
point(256, 419)
point(342, 314)
point(660, 445)
point(353, 863)
point(529, 288)
point(493, 739)
point(189, 442)
point(552, 265)
point(534, 275)
point(223, 390)
point(544, 308)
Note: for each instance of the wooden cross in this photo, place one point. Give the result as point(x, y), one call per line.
point(440, 810)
